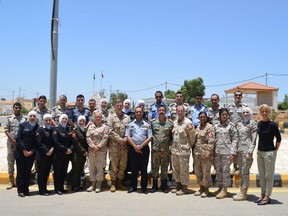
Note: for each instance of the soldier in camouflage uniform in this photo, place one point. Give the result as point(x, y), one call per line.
point(97, 138)
point(60, 109)
point(11, 129)
point(203, 154)
point(183, 140)
point(235, 111)
point(162, 139)
point(118, 150)
point(247, 140)
point(179, 100)
point(225, 151)
point(41, 109)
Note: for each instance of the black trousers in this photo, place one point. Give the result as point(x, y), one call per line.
point(60, 173)
point(77, 170)
point(24, 166)
point(139, 162)
point(44, 167)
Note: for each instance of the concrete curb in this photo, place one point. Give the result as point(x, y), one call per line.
point(280, 180)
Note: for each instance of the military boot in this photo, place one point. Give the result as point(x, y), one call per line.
point(223, 194)
point(200, 191)
point(92, 187)
point(113, 186)
point(205, 192)
point(217, 191)
point(178, 187)
point(241, 196)
point(154, 186)
point(183, 190)
point(98, 186)
point(11, 183)
point(120, 185)
point(164, 186)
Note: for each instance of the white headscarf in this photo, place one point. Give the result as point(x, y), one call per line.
point(78, 119)
point(125, 110)
point(60, 120)
point(47, 115)
point(141, 102)
point(248, 118)
point(32, 112)
point(103, 99)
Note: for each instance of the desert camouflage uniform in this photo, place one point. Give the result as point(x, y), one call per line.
point(214, 115)
point(173, 106)
point(12, 127)
point(226, 144)
point(118, 153)
point(40, 114)
point(183, 140)
point(247, 142)
point(236, 112)
point(57, 111)
point(97, 135)
point(162, 139)
point(205, 143)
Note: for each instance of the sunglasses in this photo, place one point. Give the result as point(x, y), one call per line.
point(238, 95)
point(158, 96)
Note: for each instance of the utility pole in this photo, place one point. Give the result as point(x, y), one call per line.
point(54, 53)
point(266, 77)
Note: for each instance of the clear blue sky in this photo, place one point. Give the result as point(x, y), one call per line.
point(142, 44)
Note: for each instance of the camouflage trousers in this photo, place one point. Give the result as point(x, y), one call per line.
point(202, 171)
point(118, 163)
point(11, 161)
point(244, 168)
point(222, 164)
point(160, 158)
point(180, 165)
point(97, 163)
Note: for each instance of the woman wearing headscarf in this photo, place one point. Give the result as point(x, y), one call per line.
point(44, 153)
point(247, 130)
point(80, 152)
point(103, 109)
point(266, 153)
point(62, 153)
point(25, 153)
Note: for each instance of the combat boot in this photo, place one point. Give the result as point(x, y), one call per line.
point(183, 190)
point(154, 186)
point(223, 194)
point(120, 185)
point(98, 186)
point(217, 191)
point(241, 196)
point(178, 187)
point(11, 183)
point(200, 191)
point(113, 186)
point(205, 192)
point(164, 186)
point(92, 187)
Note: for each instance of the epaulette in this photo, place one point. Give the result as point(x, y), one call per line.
point(186, 104)
point(172, 104)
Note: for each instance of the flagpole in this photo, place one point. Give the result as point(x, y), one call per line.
point(93, 83)
point(101, 81)
point(54, 54)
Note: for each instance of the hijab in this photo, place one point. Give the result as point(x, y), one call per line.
point(46, 116)
point(32, 112)
point(82, 128)
point(60, 120)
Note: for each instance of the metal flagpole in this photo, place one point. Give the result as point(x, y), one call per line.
point(54, 54)
point(93, 83)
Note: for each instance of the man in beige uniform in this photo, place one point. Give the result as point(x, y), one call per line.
point(183, 140)
point(97, 138)
point(11, 129)
point(118, 151)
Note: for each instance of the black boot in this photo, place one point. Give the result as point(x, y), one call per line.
point(164, 186)
point(154, 186)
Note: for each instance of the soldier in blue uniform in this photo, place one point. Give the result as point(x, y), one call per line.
point(153, 111)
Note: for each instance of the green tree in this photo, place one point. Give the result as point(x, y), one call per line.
point(115, 96)
point(169, 94)
point(191, 88)
point(284, 104)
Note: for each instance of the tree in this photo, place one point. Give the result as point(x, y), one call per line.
point(169, 94)
point(191, 88)
point(284, 104)
point(115, 96)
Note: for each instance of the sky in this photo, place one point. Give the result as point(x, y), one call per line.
point(142, 46)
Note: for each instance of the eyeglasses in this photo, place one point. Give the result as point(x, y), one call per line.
point(238, 95)
point(158, 96)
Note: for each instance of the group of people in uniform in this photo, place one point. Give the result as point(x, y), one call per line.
point(215, 136)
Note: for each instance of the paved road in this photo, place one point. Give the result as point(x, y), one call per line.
point(121, 203)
